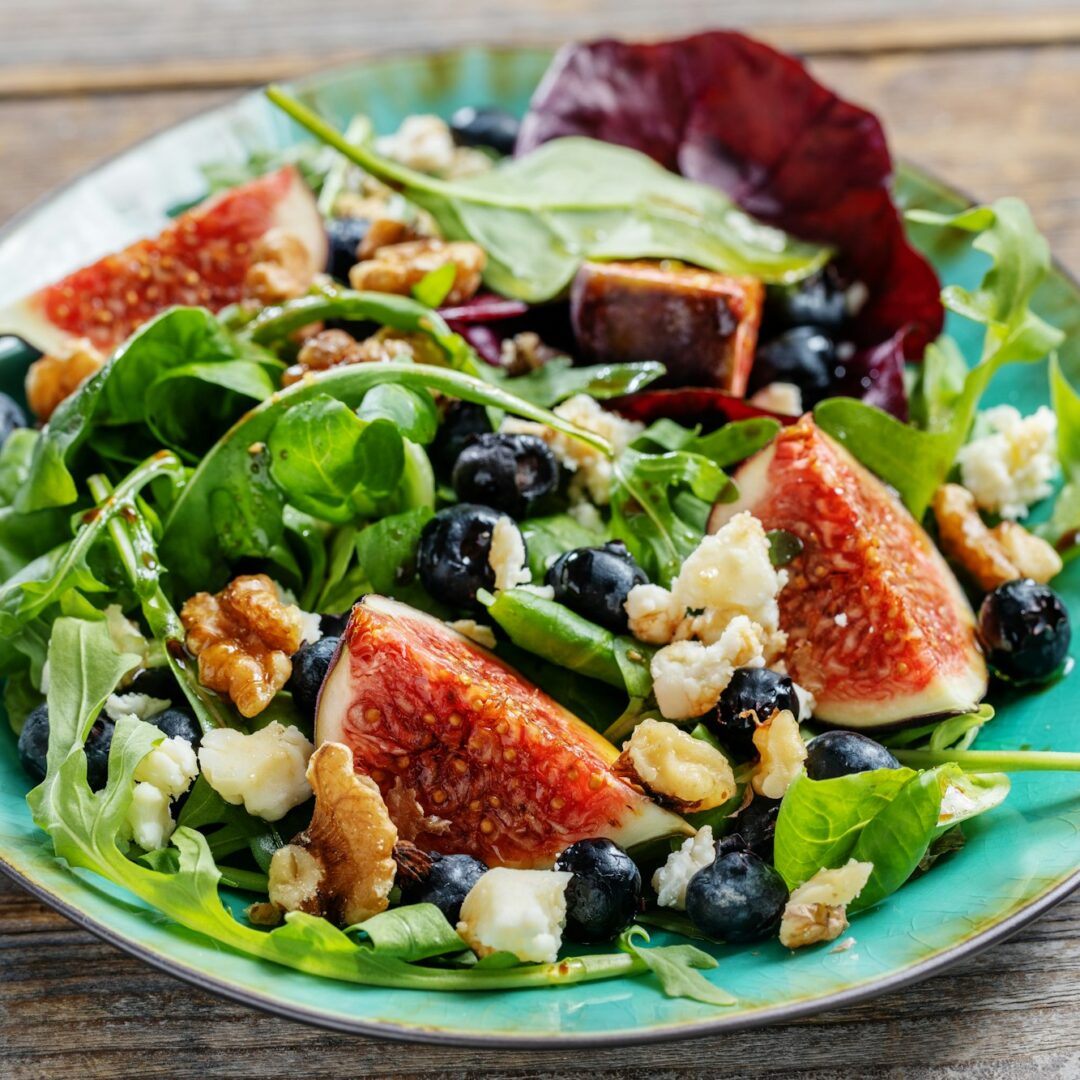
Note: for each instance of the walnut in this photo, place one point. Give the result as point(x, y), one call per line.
point(382, 232)
point(342, 865)
point(281, 268)
point(51, 379)
point(333, 348)
point(525, 352)
point(817, 909)
point(782, 752)
point(989, 556)
point(678, 769)
point(243, 637)
point(396, 268)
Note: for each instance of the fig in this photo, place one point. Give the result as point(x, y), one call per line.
point(202, 259)
point(471, 757)
point(879, 630)
point(701, 325)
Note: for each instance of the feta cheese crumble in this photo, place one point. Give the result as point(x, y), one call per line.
point(671, 879)
point(264, 771)
point(1014, 465)
point(141, 706)
point(163, 775)
point(149, 817)
point(817, 909)
point(779, 397)
point(474, 631)
point(516, 911)
point(507, 555)
point(673, 764)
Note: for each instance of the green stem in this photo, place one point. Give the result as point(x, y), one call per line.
point(992, 760)
point(248, 880)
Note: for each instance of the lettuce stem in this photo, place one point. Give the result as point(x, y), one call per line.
point(992, 760)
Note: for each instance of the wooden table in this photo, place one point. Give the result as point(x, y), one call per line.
point(988, 96)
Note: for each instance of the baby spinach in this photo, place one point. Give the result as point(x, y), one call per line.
point(560, 379)
point(916, 461)
point(726, 446)
point(548, 537)
point(540, 216)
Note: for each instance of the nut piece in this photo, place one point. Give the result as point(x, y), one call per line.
point(782, 755)
point(989, 556)
point(682, 771)
point(244, 638)
point(817, 909)
point(281, 268)
point(341, 866)
point(396, 268)
point(51, 379)
point(382, 232)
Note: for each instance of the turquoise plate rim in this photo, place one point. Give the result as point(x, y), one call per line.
point(995, 932)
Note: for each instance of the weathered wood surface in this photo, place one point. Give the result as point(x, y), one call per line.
point(984, 93)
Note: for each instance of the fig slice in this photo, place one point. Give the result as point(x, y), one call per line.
point(878, 627)
point(498, 769)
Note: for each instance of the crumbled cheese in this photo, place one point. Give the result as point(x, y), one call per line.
point(545, 592)
point(728, 574)
point(141, 706)
point(126, 636)
point(423, 142)
point(516, 911)
point(779, 397)
point(171, 767)
point(507, 555)
point(592, 471)
point(817, 910)
point(1013, 466)
point(806, 702)
point(841, 620)
point(474, 631)
point(586, 515)
point(310, 627)
point(149, 817)
point(954, 804)
point(690, 676)
point(265, 771)
point(671, 879)
point(673, 764)
point(782, 753)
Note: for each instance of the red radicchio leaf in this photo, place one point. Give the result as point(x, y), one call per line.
point(729, 111)
point(691, 405)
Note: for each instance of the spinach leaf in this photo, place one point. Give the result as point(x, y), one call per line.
point(645, 514)
point(411, 411)
point(916, 462)
point(16, 456)
point(559, 379)
point(896, 838)
point(726, 446)
point(231, 507)
point(330, 463)
point(386, 550)
point(538, 217)
point(548, 537)
point(820, 820)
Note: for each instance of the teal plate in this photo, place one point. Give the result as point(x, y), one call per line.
point(1020, 859)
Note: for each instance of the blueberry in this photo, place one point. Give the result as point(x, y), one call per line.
point(751, 697)
point(605, 893)
point(461, 423)
point(344, 236)
point(818, 300)
point(11, 417)
point(756, 824)
point(310, 664)
point(452, 557)
point(508, 472)
point(494, 128)
point(157, 682)
point(445, 885)
point(738, 898)
point(1025, 630)
point(178, 723)
point(596, 581)
point(34, 743)
point(840, 753)
point(805, 356)
point(334, 625)
point(34, 747)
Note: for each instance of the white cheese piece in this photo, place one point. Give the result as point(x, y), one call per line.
point(149, 817)
point(507, 555)
point(141, 706)
point(264, 771)
point(516, 911)
point(689, 676)
point(671, 879)
point(806, 702)
point(423, 142)
point(126, 636)
point(310, 627)
point(779, 397)
point(171, 767)
point(474, 631)
point(672, 763)
point(817, 909)
point(1014, 465)
point(782, 753)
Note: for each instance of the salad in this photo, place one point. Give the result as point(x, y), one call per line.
point(500, 554)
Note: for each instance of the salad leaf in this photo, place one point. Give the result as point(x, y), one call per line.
point(434, 287)
point(559, 379)
point(727, 446)
point(232, 507)
point(412, 411)
point(548, 537)
point(678, 967)
point(1063, 528)
point(729, 111)
point(413, 932)
point(914, 461)
point(539, 217)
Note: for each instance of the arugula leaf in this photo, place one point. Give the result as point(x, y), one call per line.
point(538, 217)
point(16, 455)
point(414, 932)
point(938, 385)
point(560, 379)
point(917, 462)
point(678, 968)
point(726, 446)
point(434, 287)
point(644, 513)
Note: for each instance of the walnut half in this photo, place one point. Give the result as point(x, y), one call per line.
point(342, 865)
